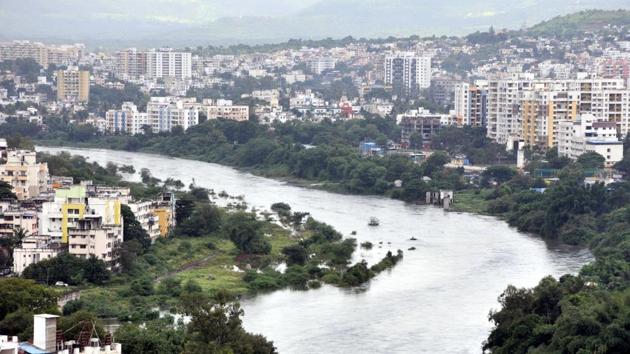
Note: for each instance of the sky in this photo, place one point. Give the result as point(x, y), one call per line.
point(190, 22)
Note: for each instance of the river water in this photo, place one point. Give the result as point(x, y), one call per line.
point(436, 300)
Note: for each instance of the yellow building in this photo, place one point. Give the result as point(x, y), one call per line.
point(540, 113)
point(165, 221)
point(73, 85)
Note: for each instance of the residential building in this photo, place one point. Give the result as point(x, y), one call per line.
point(41, 53)
point(33, 250)
point(421, 122)
point(551, 101)
point(14, 217)
point(541, 112)
point(165, 62)
point(157, 217)
point(87, 225)
point(164, 113)
point(22, 171)
point(270, 96)
point(407, 72)
point(587, 134)
point(73, 85)
point(471, 104)
point(226, 110)
point(126, 120)
point(319, 65)
point(131, 63)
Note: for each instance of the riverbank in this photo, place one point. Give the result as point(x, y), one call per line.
point(454, 251)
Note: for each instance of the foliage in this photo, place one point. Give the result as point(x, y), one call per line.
point(246, 232)
point(154, 337)
point(577, 23)
point(591, 160)
point(205, 219)
point(69, 269)
point(216, 327)
point(16, 294)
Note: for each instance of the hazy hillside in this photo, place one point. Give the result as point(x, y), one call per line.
point(173, 22)
point(581, 22)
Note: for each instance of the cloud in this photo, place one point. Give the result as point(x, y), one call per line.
point(487, 13)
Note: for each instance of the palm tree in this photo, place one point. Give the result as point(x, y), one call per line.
point(11, 243)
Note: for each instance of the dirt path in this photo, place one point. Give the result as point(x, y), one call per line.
point(188, 266)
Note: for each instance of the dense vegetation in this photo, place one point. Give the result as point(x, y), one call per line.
point(190, 272)
point(321, 152)
point(587, 313)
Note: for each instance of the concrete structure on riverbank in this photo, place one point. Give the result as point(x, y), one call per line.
point(48, 339)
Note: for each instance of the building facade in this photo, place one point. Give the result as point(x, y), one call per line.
point(22, 171)
point(73, 85)
point(587, 134)
point(407, 72)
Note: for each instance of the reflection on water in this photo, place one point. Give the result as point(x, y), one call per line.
point(435, 301)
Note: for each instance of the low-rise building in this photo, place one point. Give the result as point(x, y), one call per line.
point(586, 134)
point(87, 225)
point(33, 250)
point(226, 109)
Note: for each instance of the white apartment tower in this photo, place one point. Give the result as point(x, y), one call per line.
point(408, 72)
point(127, 120)
point(167, 63)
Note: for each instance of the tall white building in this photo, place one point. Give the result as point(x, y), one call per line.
point(470, 103)
point(164, 63)
point(408, 72)
point(164, 113)
point(319, 65)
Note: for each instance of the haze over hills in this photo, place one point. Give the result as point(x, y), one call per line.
point(194, 22)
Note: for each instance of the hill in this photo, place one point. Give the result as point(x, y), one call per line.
point(580, 22)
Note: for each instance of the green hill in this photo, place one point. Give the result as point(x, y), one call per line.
point(580, 22)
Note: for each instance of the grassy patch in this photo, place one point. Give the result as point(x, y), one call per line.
point(472, 201)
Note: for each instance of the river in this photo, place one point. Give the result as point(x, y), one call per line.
point(436, 300)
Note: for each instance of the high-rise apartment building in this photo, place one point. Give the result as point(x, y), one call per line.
point(73, 85)
point(471, 104)
point(154, 63)
point(523, 107)
point(131, 63)
point(407, 72)
point(167, 63)
point(541, 111)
